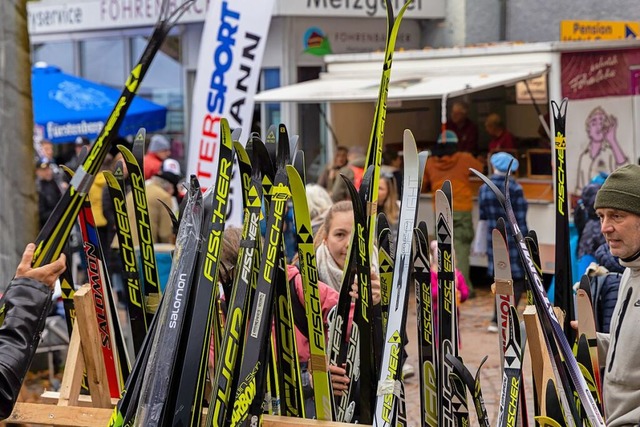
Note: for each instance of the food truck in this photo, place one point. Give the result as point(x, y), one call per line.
point(517, 81)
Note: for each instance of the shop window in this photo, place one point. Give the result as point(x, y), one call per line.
point(271, 80)
point(102, 61)
point(312, 128)
point(163, 85)
point(59, 54)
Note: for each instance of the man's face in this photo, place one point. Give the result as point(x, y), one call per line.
point(164, 154)
point(47, 150)
point(621, 229)
point(340, 159)
point(458, 115)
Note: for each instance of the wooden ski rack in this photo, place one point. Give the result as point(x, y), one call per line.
point(69, 408)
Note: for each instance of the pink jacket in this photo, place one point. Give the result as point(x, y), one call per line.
point(328, 299)
point(462, 290)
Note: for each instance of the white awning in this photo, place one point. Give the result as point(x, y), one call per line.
point(405, 84)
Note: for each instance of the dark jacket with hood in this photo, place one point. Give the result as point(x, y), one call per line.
point(23, 312)
point(604, 289)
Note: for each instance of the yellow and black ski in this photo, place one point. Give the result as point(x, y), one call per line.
point(150, 276)
point(130, 273)
point(309, 273)
point(56, 230)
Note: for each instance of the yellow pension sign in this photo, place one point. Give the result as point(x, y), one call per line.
point(598, 30)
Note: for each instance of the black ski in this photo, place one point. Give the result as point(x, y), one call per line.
point(447, 334)
point(427, 353)
point(160, 372)
point(508, 410)
point(474, 387)
point(194, 343)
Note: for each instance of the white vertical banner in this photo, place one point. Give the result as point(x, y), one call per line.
point(233, 42)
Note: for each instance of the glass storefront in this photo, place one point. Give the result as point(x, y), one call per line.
point(108, 61)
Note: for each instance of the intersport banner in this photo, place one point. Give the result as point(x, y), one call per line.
point(233, 42)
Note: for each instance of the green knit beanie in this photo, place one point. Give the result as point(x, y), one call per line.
point(621, 190)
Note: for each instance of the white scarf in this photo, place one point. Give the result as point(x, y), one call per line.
point(328, 270)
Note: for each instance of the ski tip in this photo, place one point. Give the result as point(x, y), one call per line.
point(283, 155)
point(560, 111)
point(236, 134)
point(141, 135)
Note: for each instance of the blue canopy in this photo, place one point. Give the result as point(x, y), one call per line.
point(66, 106)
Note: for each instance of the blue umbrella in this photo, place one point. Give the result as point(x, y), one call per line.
point(66, 106)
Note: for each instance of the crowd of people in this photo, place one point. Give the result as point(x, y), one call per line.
point(608, 219)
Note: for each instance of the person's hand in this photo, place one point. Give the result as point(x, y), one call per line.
point(47, 274)
point(611, 130)
point(339, 380)
point(375, 287)
point(574, 324)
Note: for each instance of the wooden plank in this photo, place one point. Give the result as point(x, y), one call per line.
point(91, 347)
point(540, 362)
point(52, 415)
point(53, 397)
point(73, 372)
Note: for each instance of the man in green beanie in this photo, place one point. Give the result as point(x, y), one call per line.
point(618, 207)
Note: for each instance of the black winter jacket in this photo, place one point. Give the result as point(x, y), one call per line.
point(23, 311)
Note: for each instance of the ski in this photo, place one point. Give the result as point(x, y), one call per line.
point(309, 273)
point(401, 414)
point(374, 150)
point(124, 412)
point(112, 339)
point(160, 373)
point(385, 268)
point(53, 236)
point(68, 290)
point(473, 384)
point(511, 376)
point(231, 346)
point(503, 286)
point(195, 340)
point(448, 343)
point(150, 276)
point(364, 363)
point(247, 406)
point(504, 300)
point(587, 340)
point(129, 260)
point(385, 407)
point(552, 409)
point(552, 329)
point(459, 404)
point(287, 361)
point(564, 283)
point(427, 354)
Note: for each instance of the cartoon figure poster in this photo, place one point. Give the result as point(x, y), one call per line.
point(599, 138)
